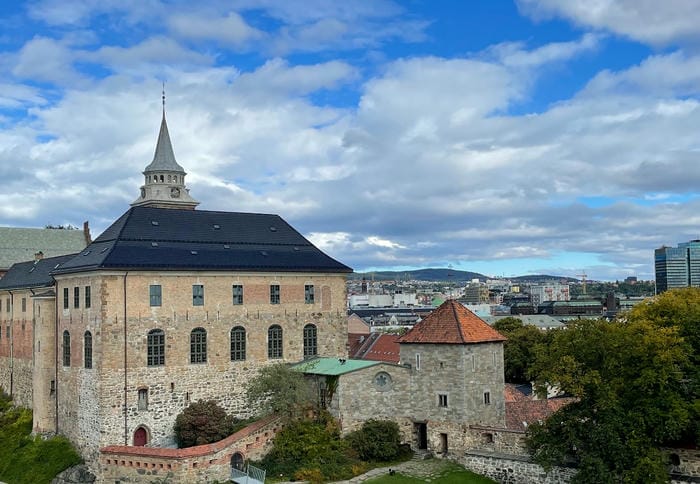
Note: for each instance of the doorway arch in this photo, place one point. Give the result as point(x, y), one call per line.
point(237, 461)
point(140, 437)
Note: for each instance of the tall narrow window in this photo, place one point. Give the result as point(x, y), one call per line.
point(87, 349)
point(237, 294)
point(156, 347)
point(155, 295)
point(143, 399)
point(310, 341)
point(274, 294)
point(238, 343)
point(66, 348)
point(88, 297)
point(198, 345)
point(417, 361)
point(8, 305)
point(487, 398)
point(442, 400)
point(65, 298)
point(274, 342)
point(197, 295)
point(24, 304)
point(76, 297)
point(309, 294)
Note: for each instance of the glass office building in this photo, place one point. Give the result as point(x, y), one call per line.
point(677, 266)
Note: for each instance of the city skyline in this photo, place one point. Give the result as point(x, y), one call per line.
point(505, 138)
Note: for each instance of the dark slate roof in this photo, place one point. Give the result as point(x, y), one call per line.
point(148, 238)
point(164, 157)
point(24, 275)
point(20, 244)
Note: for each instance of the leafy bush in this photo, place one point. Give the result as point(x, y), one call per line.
point(306, 446)
point(279, 389)
point(377, 440)
point(203, 422)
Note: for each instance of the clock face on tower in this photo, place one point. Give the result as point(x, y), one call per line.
point(175, 192)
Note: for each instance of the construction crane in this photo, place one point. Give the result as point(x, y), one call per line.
point(583, 281)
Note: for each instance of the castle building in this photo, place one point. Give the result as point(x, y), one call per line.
point(167, 306)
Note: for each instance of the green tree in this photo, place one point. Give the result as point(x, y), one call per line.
point(520, 349)
point(376, 440)
point(203, 422)
point(279, 389)
point(628, 380)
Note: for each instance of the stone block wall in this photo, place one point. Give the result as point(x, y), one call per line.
point(92, 401)
point(203, 463)
point(507, 469)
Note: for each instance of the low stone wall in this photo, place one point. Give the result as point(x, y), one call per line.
point(203, 463)
point(513, 469)
point(685, 462)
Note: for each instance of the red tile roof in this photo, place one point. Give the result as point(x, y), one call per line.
point(385, 348)
point(452, 323)
point(512, 394)
point(522, 413)
point(375, 347)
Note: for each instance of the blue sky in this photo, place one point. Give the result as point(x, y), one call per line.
point(504, 137)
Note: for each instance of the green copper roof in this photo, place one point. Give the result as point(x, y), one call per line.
point(333, 366)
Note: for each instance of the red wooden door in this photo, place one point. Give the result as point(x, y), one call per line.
point(140, 437)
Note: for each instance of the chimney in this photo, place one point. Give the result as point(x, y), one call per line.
point(86, 233)
point(39, 255)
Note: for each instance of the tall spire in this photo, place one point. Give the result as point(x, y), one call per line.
point(164, 178)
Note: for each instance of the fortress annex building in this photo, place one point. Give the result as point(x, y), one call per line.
point(168, 306)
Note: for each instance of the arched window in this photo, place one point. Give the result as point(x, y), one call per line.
point(310, 341)
point(156, 347)
point(238, 343)
point(198, 345)
point(274, 342)
point(66, 348)
point(87, 349)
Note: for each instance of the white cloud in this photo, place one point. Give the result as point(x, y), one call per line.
point(230, 29)
point(648, 21)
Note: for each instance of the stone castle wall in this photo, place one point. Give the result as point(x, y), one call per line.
point(92, 401)
point(512, 469)
point(203, 463)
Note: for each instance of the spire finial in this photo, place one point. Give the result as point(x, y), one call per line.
point(163, 98)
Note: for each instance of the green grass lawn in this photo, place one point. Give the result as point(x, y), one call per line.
point(453, 474)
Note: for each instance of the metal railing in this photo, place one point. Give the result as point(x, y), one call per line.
point(252, 475)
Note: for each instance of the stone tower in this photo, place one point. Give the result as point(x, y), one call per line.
point(164, 184)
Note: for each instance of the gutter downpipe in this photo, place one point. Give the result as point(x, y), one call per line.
point(55, 356)
point(11, 336)
point(126, 422)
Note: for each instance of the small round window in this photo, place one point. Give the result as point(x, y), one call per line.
point(382, 381)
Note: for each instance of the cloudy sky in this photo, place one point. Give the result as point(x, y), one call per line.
point(535, 136)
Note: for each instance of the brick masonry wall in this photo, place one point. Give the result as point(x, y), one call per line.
point(91, 401)
point(204, 463)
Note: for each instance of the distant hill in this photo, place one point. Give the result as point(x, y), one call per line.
point(449, 275)
point(431, 275)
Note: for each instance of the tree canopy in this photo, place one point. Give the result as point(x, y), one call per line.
point(520, 349)
point(203, 422)
point(636, 384)
point(277, 388)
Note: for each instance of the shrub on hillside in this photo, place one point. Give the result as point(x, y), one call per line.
point(377, 440)
point(203, 422)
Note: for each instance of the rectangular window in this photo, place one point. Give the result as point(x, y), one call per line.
point(274, 294)
point(143, 399)
point(417, 361)
point(155, 293)
point(487, 398)
point(24, 304)
point(76, 297)
point(88, 297)
point(65, 298)
point(237, 294)
point(197, 295)
point(309, 294)
point(7, 332)
point(8, 305)
point(442, 400)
